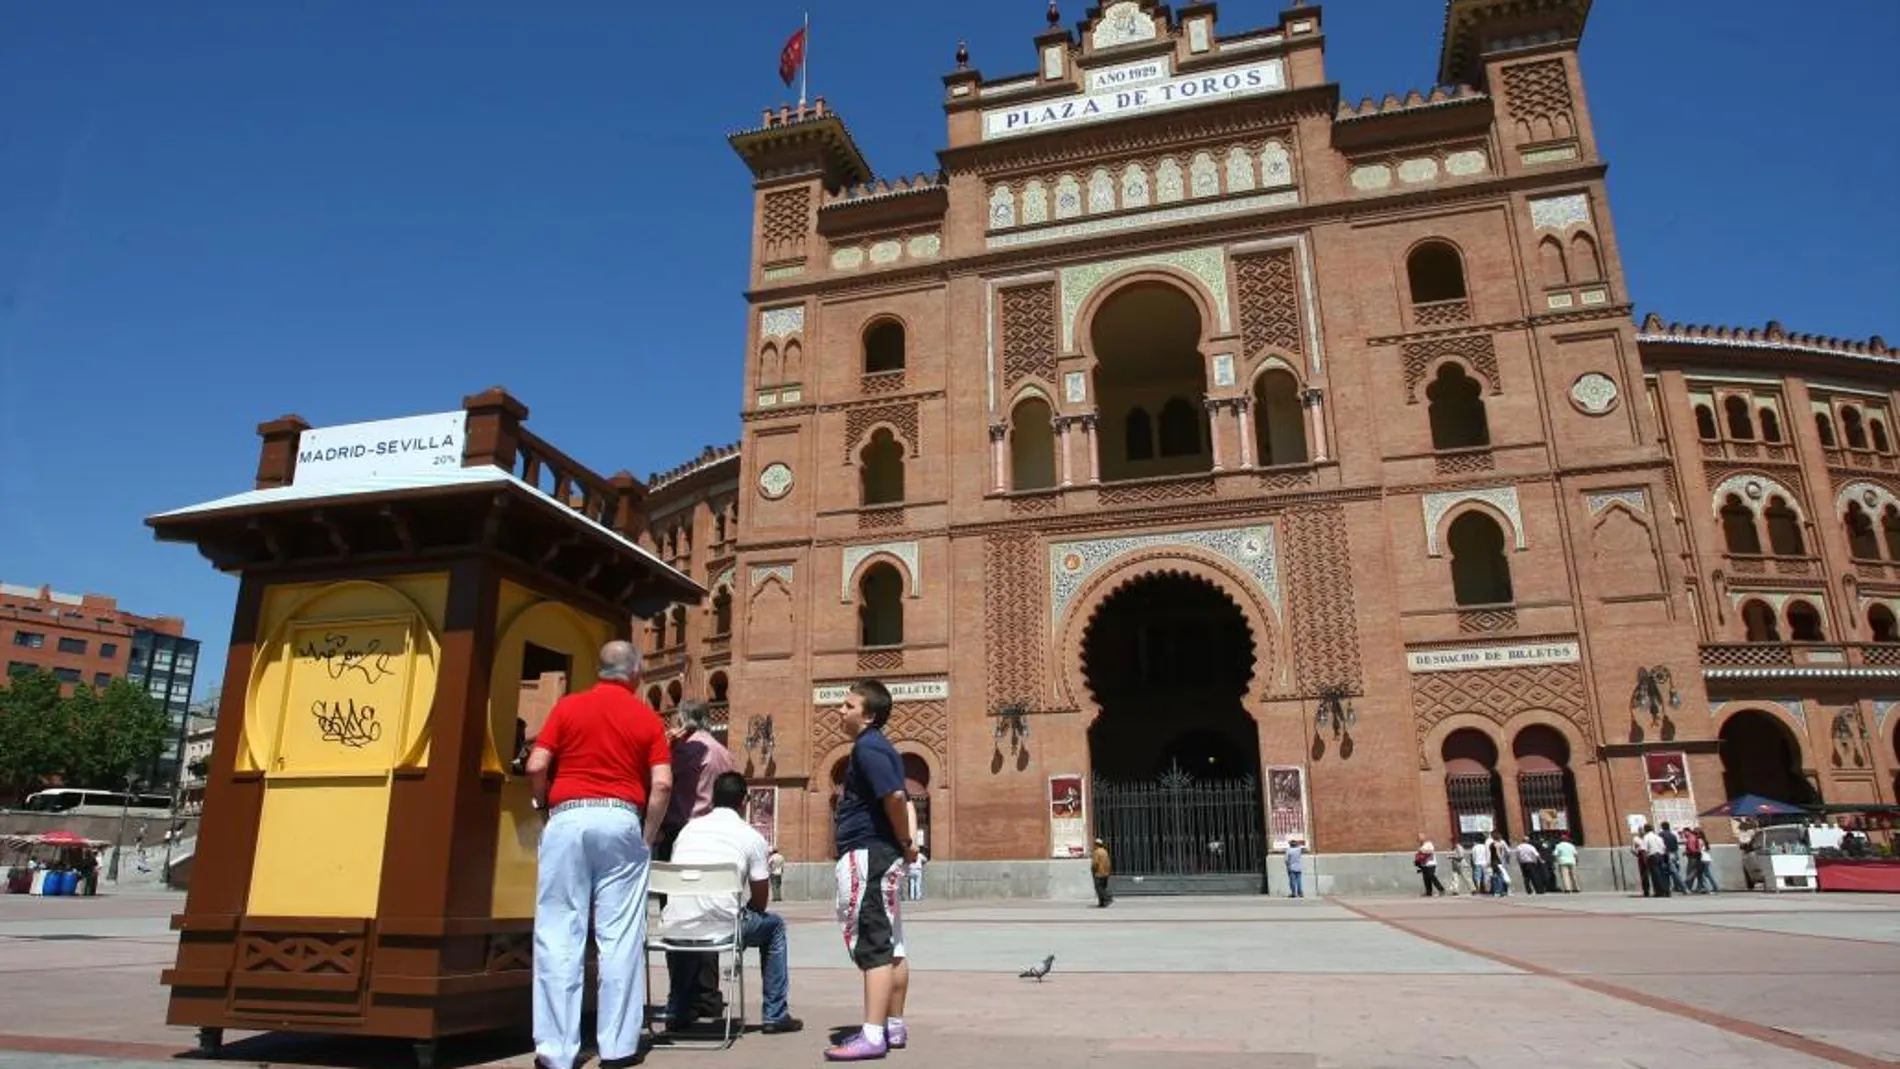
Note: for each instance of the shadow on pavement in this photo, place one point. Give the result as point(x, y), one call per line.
point(355, 1052)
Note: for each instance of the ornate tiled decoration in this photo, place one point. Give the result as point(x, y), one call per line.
point(886, 252)
point(924, 246)
point(775, 481)
point(903, 551)
point(783, 272)
point(1755, 489)
point(1466, 163)
point(1223, 369)
point(1101, 191)
point(1002, 208)
point(1239, 170)
point(723, 578)
point(1422, 169)
point(1881, 709)
point(1550, 155)
point(781, 322)
point(1276, 168)
point(1633, 499)
point(1375, 176)
point(1203, 176)
point(1068, 197)
point(1800, 711)
point(1052, 62)
point(1594, 393)
point(1502, 498)
point(1134, 186)
point(847, 259)
point(1169, 186)
point(1122, 24)
point(1152, 217)
point(1035, 202)
point(1252, 548)
point(1556, 213)
point(1197, 35)
point(763, 572)
point(1870, 496)
point(1208, 265)
point(1075, 387)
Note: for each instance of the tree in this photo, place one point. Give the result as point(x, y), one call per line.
point(36, 740)
point(90, 739)
point(119, 731)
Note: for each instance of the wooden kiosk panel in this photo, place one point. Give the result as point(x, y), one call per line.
point(366, 860)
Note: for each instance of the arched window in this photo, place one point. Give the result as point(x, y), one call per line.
point(1480, 573)
point(673, 693)
point(1824, 427)
point(1586, 266)
point(722, 611)
point(1472, 784)
point(1861, 541)
point(1804, 623)
point(1738, 528)
point(1279, 427)
point(1878, 431)
point(1139, 432)
point(881, 606)
point(679, 624)
point(1852, 429)
point(1032, 446)
point(1435, 273)
point(882, 471)
point(1550, 261)
point(1758, 622)
point(1890, 521)
point(1545, 789)
point(1456, 410)
point(1705, 428)
point(1784, 530)
point(1180, 428)
point(1739, 427)
point(1881, 625)
point(1770, 425)
point(884, 347)
point(655, 699)
point(716, 688)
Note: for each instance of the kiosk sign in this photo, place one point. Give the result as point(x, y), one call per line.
point(385, 447)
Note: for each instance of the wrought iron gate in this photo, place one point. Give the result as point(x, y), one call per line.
point(1179, 835)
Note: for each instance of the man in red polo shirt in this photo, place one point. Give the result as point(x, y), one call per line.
point(602, 770)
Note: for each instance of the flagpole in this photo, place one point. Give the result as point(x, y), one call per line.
point(804, 67)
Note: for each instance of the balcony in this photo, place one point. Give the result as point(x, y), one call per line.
point(1786, 567)
point(1741, 660)
point(1862, 460)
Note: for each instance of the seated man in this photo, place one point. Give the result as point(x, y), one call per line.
point(722, 837)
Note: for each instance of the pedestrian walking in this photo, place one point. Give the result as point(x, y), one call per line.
point(916, 876)
point(1296, 867)
point(1695, 847)
point(775, 865)
point(1101, 866)
point(1656, 853)
point(1500, 864)
point(1460, 857)
point(601, 769)
point(1427, 861)
point(1640, 851)
point(1480, 866)
point(1672, 850)
point(1531, 864)
point(1566, 854)
point(873, 831)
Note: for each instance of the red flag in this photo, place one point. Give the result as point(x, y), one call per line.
point(791, 57)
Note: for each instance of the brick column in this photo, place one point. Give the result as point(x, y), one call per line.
point(1316, 422)
point(494, 429)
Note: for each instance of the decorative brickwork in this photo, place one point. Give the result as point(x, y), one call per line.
point(882, 382)
point(1145, 493)
point(787, 217)
point(880, 660)
point(1486, 621)
point(1013, 628)
point(1321, 611)
point(1029, 334)
point(1476, 350)
point(880, 519)
point(899, 414)
point(1538, 96)
point(1464, 462)
point(926, 724)
point(1499, 694)
point(1032, 505)
point(1269, 301)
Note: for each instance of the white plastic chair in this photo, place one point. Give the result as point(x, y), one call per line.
point(676, 878)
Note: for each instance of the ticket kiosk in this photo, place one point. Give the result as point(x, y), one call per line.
point(365, 864)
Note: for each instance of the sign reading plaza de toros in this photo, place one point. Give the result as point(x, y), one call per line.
point(1464, 658)
point(1133, 88)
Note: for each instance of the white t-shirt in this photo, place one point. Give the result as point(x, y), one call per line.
point(721, 837)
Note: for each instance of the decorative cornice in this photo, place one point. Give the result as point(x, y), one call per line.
point(881, 399)
point(1656, 332)
point(711, 457)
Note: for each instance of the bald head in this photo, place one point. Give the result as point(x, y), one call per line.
point(619, 660)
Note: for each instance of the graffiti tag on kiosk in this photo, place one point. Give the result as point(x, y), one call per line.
point(346, 722)
point(340, 657)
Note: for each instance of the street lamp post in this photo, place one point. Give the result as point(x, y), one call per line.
point(178, 795)
point(118, 842)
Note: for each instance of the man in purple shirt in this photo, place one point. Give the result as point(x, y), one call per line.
point(698, 760)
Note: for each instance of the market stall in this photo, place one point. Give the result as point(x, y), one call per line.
point(55, 863)
point(1865, 860)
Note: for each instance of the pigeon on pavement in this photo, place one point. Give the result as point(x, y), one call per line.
point(1037, 972)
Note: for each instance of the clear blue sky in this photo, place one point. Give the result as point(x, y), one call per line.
point(218, 211)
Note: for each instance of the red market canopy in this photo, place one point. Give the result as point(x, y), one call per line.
point(51, 838)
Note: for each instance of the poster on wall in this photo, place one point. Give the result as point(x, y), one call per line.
point(1549, 820)
point(761, 811)
point(1068, 820)
point(1286, 805)
point(1671, 795)
point(1475, 823)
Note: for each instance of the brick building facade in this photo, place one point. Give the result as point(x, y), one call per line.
point(1196, 431)
point(83, 638)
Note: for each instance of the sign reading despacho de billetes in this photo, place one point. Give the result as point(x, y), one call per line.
point(920, 690)
point(1110, 100)
point(1465, 658)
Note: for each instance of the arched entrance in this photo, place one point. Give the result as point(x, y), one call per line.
point(1176, 757)
point(1472, 785)
point(1761, 756)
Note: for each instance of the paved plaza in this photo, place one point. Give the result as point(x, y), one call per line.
point(1731, 981)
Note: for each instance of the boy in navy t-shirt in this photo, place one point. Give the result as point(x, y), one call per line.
point(873, 836)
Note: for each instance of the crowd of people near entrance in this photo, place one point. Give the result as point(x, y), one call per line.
point(1663, 855)
point(620, 788)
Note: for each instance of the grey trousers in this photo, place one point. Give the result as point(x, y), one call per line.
point(590, 859)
